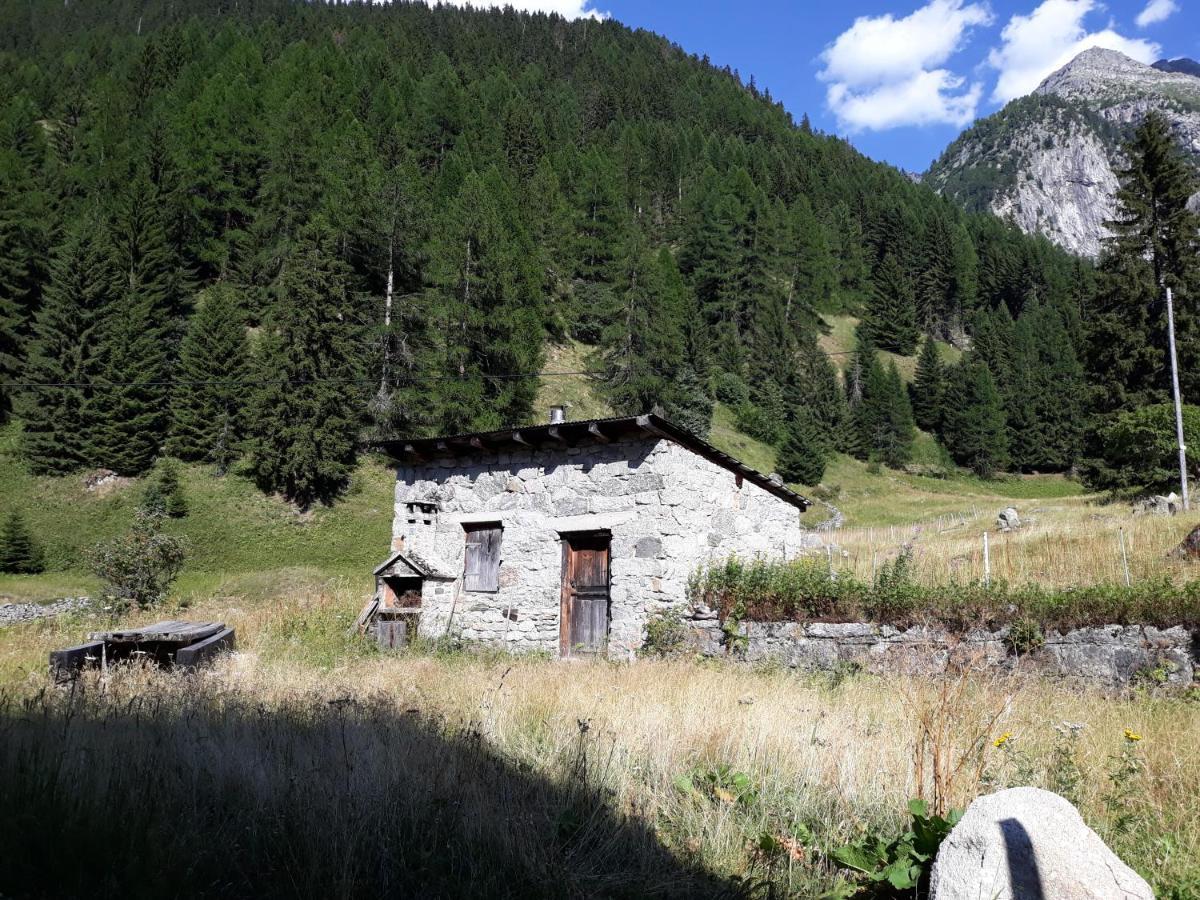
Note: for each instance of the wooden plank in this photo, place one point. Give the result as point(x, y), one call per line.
point(391, 634)
point(205, 651)
point(66, 663)
point(168, 632)
point(364, 617)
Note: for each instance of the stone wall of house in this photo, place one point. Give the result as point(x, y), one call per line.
point(1110, 655)
point(669, 511)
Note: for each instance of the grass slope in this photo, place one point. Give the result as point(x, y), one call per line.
point(839, 344)
point(239, 541)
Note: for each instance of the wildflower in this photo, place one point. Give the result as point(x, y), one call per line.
point(1132, 736)
point(1002, 740)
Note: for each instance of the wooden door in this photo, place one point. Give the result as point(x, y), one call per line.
point(585, 606)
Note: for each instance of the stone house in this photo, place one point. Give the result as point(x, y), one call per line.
point(567, 537)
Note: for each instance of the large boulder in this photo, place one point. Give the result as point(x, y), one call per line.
point(1158, 505)
point(1189, 547)
point(1007, 519)
point(1029, 844)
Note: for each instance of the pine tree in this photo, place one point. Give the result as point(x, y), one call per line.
point(974, 427)
point(20, 554)
point(892, 315)
point(1154, 245)
point(929, 388)
point(643, 342)
point(802, 456)
point(164, 492)
point(305, 416)
point(128, 409)
point(896, 443)
point(881, 417)
point(208, 405)
point(10, 350)
point(150, 269)
point(59, 418)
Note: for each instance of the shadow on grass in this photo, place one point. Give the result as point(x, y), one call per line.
point(193, 791)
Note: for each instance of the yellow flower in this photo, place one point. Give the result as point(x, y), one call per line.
point(1002, 740)
point(1132, 736)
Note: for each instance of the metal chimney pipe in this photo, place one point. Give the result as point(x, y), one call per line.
point(558, 414)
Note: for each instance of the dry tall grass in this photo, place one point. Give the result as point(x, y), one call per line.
point(1062, 544)
point(309, 765)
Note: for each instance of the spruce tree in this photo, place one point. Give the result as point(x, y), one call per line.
point(892, 314)
point(128, 411)
point(929, 388)
point(974, 429)
point(208, 405)
point(882, 418)
point(64, 355)
point(896, 440)
point(802, 456)
point(10, 350)
point(305, 415)
point(20, 553)
point(1154, 244)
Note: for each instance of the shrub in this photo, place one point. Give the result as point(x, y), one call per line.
point(141, 565)
point(665, 634)
point(901, 864)
point(803, 590)
point(164, 494)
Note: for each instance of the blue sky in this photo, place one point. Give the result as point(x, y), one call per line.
point(901, 79)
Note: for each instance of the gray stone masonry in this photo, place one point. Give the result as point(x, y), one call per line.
point(1110, 656)
point(669, 512)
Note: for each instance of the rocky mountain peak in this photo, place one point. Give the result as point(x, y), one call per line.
point(1048, 161)
point(1097, 73)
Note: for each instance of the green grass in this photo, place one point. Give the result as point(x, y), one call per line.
point(726, 437)
point(888, 497)
point(238, 540)
point(575, 391)
point(839, 343)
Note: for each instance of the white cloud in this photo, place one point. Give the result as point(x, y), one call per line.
point(1050, 37)
point(1156, 11)
point(885, 72)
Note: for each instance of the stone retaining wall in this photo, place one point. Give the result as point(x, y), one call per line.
point(1109, 655)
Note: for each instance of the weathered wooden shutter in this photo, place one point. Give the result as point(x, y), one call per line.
point(482, 567)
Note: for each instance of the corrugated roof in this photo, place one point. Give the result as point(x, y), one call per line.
point(583, 431)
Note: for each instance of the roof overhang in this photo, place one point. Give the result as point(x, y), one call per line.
point(563, 435)
point(416, 565)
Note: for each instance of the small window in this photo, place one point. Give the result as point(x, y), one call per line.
point(481, 570)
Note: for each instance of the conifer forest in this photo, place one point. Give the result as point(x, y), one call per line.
point(273, 233)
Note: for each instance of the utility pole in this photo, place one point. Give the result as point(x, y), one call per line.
point(1183, 481)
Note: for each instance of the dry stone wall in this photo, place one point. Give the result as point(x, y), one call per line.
point(668, 510)
point(1111, 655)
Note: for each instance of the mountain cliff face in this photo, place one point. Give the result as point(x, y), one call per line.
point(1048, 161)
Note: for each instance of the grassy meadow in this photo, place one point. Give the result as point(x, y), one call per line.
point(310, 764)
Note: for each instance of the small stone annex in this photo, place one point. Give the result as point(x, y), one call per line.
point(568, 537)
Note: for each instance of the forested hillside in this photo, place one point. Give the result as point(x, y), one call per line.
point(276, 231)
